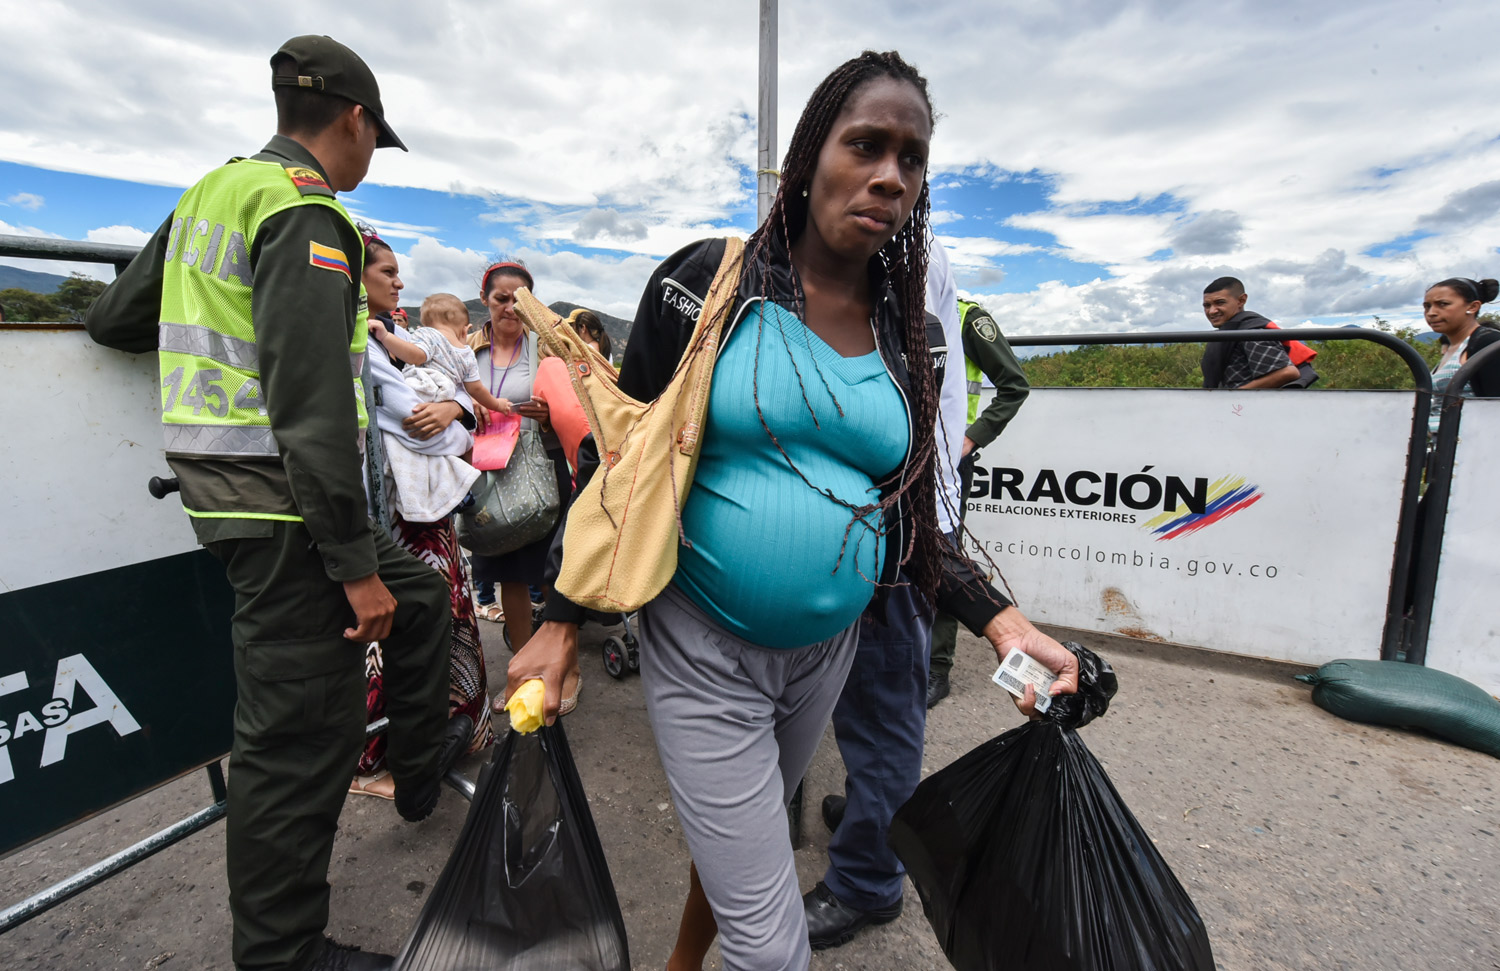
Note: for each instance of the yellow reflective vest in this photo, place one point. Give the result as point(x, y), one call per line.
point(973, 377)
point(212, 403)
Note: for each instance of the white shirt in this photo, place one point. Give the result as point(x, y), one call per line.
point(953, 396)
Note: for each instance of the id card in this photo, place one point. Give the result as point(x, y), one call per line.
point(1018, 670)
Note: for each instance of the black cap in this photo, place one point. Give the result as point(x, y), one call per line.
point(323, 64)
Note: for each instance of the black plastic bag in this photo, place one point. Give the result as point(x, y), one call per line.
point(1026, 857)
point(527, 885)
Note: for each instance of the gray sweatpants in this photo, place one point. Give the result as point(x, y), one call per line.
point(736, 726)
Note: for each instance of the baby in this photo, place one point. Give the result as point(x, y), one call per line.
point(441, 343)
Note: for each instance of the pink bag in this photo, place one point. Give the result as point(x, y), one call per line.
point(494, 445)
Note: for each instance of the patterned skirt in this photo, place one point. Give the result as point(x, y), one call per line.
point(436, 544)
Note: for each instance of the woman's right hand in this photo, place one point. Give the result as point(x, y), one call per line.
point(481, 417)
point(430, 418)
point(551, 653)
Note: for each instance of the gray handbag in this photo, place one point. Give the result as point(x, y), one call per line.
point(516, 505)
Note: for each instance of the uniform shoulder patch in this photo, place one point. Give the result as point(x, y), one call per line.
point(329, 258)
point(986, 328)
point(308, 181)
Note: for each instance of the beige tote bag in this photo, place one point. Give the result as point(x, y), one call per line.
point(620, 542)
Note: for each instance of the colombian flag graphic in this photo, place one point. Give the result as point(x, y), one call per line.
point(1226, 497)
point(329, 258)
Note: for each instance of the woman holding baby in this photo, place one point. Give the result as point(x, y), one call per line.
point(434, 543)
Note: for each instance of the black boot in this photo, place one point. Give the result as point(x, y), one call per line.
point(347, 957)
point(416, 803)
point(830, 922)
point(937, 687)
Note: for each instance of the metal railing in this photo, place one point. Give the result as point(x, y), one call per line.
point(1435, 504)
point(72, 250)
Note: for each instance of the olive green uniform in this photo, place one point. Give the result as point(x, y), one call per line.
point(986, 352)
point(291, 527)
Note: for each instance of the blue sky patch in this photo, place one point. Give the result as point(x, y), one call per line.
point(1401, 244)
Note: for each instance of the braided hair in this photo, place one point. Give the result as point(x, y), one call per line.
point(905, 260)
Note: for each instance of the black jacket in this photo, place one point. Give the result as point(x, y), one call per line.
point(664, 323)
point(1486, 382)
point(1217, 354)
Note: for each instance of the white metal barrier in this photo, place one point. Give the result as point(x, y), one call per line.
point(1464, 636)
point(83, 438)
point(1254, 523)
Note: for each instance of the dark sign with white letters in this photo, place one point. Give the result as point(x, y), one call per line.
point(111, 684)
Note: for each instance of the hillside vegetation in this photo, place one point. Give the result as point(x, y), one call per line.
point(1350, 364)
point(68, 302)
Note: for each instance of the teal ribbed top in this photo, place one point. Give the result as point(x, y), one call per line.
point(765, 555)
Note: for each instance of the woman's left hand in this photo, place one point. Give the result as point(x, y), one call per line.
point(1010, 628)
point(431, 418)
point(535, 409)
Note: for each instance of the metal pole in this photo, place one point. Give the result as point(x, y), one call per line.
point(44, 901)
point(766, 172)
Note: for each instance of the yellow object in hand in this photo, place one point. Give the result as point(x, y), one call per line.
point(525, 706)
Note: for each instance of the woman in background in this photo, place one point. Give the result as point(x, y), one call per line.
point(504, 347)
point(1452, 309)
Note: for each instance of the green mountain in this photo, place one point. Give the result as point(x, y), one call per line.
point(33, 280)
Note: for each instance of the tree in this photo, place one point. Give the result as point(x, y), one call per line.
point(25, 305)
point(1341, 365)
point(75, 295)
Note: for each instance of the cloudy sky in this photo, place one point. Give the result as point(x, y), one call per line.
point(1095, 162)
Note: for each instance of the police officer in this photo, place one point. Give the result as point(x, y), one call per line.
point(251, 292)
point(986, 355)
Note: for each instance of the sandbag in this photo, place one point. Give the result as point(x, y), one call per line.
point(1025, 856)
point(1409, 696)
point(527, 886)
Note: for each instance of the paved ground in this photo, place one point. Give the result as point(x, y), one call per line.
point(1306, 841)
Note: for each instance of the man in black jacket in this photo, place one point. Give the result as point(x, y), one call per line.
point(1246, 365)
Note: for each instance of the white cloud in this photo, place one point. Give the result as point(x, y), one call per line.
point(127, 235)
point(429, 267)
point(608, 224)
point(26, 200)
point(1299, 131)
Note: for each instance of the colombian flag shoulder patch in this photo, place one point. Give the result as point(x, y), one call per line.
point(303, 176)
point(329, 258)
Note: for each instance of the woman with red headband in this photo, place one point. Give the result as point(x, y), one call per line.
point(505, 349)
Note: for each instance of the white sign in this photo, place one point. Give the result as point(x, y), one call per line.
point(1252, 522)
point(82, 438)
point(1464, 638)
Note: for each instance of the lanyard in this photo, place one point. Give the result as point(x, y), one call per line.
point(515, 356)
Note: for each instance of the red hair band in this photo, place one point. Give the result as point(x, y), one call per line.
point(521, 271)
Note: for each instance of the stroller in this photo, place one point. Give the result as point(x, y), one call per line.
point(621, 651)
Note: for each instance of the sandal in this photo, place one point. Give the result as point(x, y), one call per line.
point(491, 612)
point(571, 701)
point(380, 785)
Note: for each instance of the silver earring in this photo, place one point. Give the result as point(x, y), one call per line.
point(804, 193)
